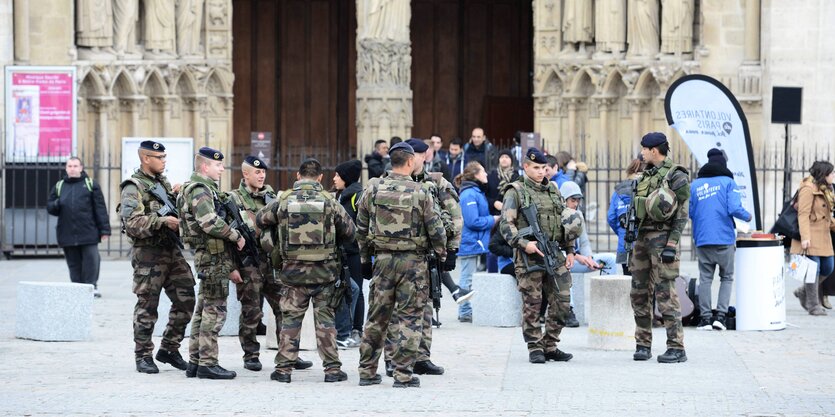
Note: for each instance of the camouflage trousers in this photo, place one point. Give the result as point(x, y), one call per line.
point(154, 269)
point(424, 349)
point(399, 288)
point(211, 308)
point(249, 294)
point(295, 300)
point(652, 277)
point(534, 286)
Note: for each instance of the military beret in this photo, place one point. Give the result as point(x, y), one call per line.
point(402, 146)
point(418, 145)
point(535, 155)
point(254, 162)
point(150, 145)
point(653, 139)
point(210, 153)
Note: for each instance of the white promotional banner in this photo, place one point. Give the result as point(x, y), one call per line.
point(179, 162)
point(707, 115)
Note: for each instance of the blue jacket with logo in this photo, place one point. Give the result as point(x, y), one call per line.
point(475, 235)
point(618, 208)
point(714, 201)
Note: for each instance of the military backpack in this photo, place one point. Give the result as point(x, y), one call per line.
point(307, 233)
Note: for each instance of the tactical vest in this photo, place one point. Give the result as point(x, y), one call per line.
point(307, 232)
point(395, 218)
point(250, 206)
point(649, 183)
point(549, 205)
point(190, 229)
point(150, 205)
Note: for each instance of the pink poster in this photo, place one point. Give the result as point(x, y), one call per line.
point(42, 103)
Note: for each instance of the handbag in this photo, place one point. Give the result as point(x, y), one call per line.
point(786, 224)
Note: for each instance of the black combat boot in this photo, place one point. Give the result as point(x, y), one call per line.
point(214, 372)
point(558, 356)
point(642, 353)
point(285, 378)
point(536, 357)
point(364, 382)
point(571, 319)
point(172, 358)
point(673, 356)
point(302, 364)
point(389, 369)
point(428, 368)
point(191, 370)
point(146, 365)
point(336, 376)
point(253, 364)
point(412, 383)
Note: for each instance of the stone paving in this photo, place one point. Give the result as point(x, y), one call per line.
point(786, 372)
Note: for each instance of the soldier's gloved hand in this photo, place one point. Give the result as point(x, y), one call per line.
point(367, 270)
point(235, 277)
point(451, 257)
point(668, 255)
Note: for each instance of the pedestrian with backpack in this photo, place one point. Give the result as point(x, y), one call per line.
point(619, 207)
point(78, 203)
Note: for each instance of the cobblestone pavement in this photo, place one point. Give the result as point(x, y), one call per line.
point(786, 372)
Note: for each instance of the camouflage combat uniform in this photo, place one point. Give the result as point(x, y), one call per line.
point(213, 241)
point(536, 285)
point(649, 275)
point(397, 223)
point(257, 280)
point(445, 195)
point(309, 226)
point(157, 263)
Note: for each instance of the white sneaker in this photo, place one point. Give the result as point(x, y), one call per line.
point(460, 295)
point(704, 324)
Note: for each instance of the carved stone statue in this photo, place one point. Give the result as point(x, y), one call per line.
point(384, 19)
point(642, 28)
point(94, 24)
point(189, 24)
point(677, 26)
point(578, 24)
point(610, 26)
point(125, 17)
point(160, 31)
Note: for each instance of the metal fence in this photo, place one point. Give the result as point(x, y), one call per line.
point(29, 231)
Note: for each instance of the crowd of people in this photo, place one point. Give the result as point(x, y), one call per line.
point(469, 207)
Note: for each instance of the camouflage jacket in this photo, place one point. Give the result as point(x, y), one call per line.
point(203, 229)
point(679, 182)
point(549, 204)
point(447, 198)
point(297, 226)
point(398, 214)
point(250, 203)
point(138, 210)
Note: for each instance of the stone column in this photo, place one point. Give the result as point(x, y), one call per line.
point(752, 31)
point(103, 107)
point(384, 69)
point(548, 39)
point(637, 107)
point(21, 31)
point(51, 33)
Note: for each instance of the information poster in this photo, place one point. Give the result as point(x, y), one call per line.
point(40, 113)
point(179, 162)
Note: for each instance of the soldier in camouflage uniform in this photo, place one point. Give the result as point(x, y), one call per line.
point(206, 230)
point(157, 261)
point(447, 200)
point(534, 188)
point(310, 226)
point(397, 224)
point(661, 202)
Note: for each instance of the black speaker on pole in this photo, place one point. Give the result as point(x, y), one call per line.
point(786, 105)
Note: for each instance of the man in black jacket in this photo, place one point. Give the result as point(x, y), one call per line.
point(82, 222)
point(350, 317)
point(376, 160)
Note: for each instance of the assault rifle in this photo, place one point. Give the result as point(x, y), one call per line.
point(251, 251)
point(343, 281)
point(435, 271)
point(168, 209)
point(631, 225)
point(534, 233)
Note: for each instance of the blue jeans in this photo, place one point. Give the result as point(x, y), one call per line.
point(825, 264)
point(345, 313)
point(468, 267)
point(606, 258)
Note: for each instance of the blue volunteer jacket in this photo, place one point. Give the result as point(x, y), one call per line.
point(475, 235)
point(713, 203)
point(618, 208)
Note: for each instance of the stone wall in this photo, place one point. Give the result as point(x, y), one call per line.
point(6, 52)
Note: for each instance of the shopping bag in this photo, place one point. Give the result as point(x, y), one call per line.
point(802, 269)
point(786, 224)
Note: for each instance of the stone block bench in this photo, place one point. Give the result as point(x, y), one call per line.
point(54, 311)
point(496, 302)
point(611, 320)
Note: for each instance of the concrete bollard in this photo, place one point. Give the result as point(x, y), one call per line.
point(496, 302)
point(611, 320)
point(54, 311)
